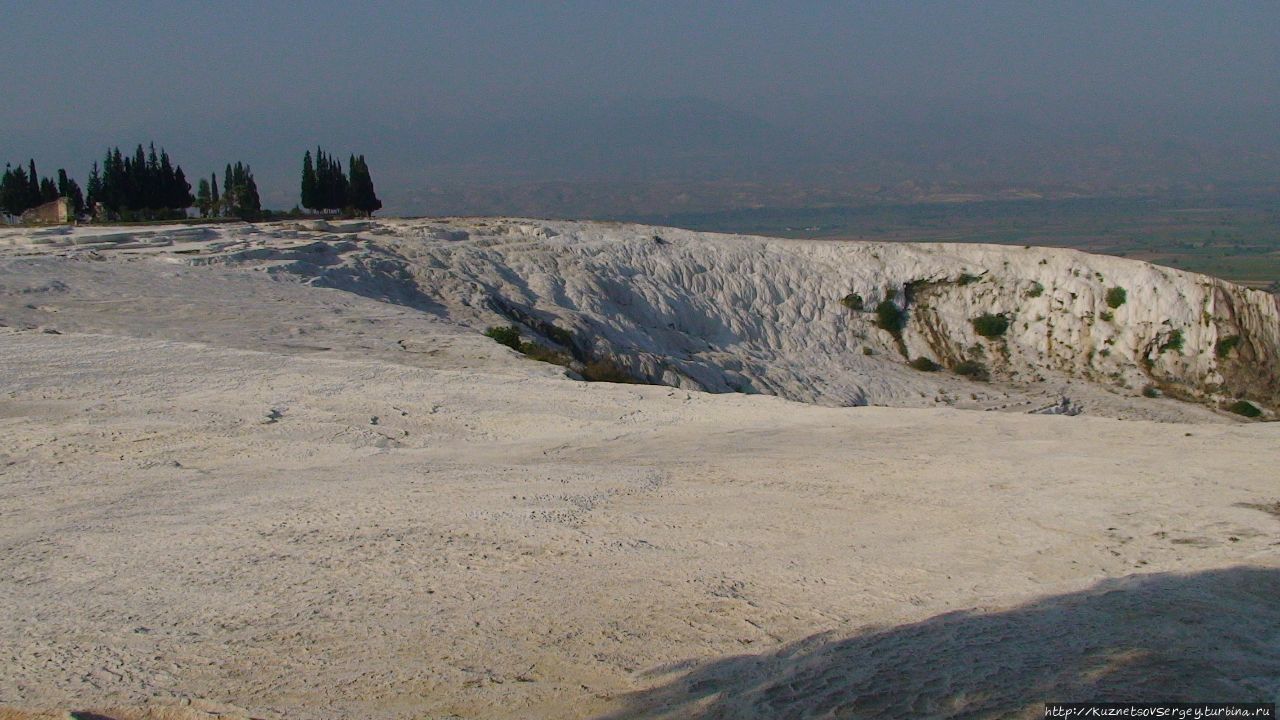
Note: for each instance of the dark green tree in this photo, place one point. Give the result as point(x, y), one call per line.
point(332, 186)
point(48, 190)
point(240, 193)
point(203, 200)
point(181, 193)
point(76, 195)
point(13, 191)
point(33, 185)
point(168, 194)
point(252, 202)
point(138, 183)
point(153, 187)
point(363, 198)
point(308, 182)
point(94, 190)
point(338, 199)
point(115, 182)
point(141, 186)
point(228, 192)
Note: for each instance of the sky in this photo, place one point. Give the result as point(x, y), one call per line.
point(494, 92)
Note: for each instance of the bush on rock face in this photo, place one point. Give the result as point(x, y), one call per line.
point(508, 335)
point(606, 370)
point(890, 317)
point(1116, 297)
point(924, 364)
point(1223, 347)
point(853, 301)
point(971, 369)
point(991, 326)
point(541, 353)
point(1245, 408)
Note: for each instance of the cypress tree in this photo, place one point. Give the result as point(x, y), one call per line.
point(323, 185)
point(152, 183)
point(168, 194)
point(126, 182)
point(228, 192)
point(322, 181)
point(48, 191)
point(203, 202)
point(331, 183)
point(354, 185)
point(363, 196)
point(94, 190)
point(340, 201)
point(252, 203)
point(5, 182)
point(33, 184)
point(139, 190)
point(105, 187)
point(13, 191)
point(72, 192)
point(22, 197)
point(114, 182)
point(308, 182)
point(181, 190)
point(121, 192)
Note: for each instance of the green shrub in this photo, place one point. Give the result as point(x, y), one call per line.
point(924, 364)
point(1105, 316)
point(607, 371)
point(971, 369)
point(1245, 408)
point(967, 279)
point(1036, 290)
point(1173, 343)
point(559, 335)
point(1223, 347)
point(1116, 297)
point(890, 317)
point(853, 301)
point(991, 326)
point(505, 335)
point(541, 353)
point(1150, 391)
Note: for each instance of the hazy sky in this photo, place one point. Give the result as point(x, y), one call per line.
point(479, 90)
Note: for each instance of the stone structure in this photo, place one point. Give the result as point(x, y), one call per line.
point(53, 212)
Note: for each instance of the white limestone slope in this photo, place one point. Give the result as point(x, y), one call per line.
point(726, 313)
point(732, 313)
point(277, 471)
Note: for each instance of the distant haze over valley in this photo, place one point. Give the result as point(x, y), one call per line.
point(694, 155)
point(593, 109)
